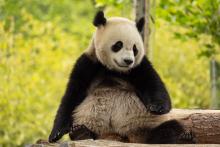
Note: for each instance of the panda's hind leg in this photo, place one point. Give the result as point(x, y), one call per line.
point(170, 132)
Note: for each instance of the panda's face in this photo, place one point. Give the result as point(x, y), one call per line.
point(118, 45)
point(122, 56)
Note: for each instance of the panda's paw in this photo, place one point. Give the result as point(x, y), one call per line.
point(80, 132)
point(187, 137)
point(158, 108)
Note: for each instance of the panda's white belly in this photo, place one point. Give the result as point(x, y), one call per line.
point(112, 109)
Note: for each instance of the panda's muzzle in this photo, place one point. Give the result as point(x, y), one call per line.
point(125, 66)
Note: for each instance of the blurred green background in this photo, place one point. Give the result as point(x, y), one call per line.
point(40, 41)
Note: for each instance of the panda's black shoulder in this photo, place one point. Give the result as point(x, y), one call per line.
point(87, 63)
point(85, 67)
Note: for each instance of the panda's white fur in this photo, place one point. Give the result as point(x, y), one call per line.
point(114, 109)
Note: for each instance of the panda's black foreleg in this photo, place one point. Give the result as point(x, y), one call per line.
point(80, 132)
point(150, 88)
point(80, 79)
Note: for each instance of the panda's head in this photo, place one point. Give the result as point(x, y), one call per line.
point(117, 42)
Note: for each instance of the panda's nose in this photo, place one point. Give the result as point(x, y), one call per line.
point(128, 61)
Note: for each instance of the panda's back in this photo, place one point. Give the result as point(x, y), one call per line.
point(111, 106)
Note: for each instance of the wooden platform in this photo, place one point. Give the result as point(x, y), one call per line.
point(106, 143)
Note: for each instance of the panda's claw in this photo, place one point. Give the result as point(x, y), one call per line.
point(79, 132)
point(76, 127)
point(187, 137)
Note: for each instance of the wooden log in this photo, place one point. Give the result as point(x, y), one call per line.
point(204, 124)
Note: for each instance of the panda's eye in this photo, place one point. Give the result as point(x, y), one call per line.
point(135, 50)
point(117, 46)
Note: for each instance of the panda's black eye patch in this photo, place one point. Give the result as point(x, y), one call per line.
point(135, 50)
point(117, 46)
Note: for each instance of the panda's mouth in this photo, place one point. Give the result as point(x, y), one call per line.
point(124, 66)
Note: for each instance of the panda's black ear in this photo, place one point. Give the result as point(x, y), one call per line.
point(99, 19)
point(140, 24)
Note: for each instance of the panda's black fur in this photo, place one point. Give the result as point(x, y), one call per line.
point(145, 81)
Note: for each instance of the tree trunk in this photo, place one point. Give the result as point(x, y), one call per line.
point(215, 85)
point(142, 9)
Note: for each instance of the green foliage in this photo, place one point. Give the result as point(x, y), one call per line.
point(199, 16)
point(116, 7)
point(39, 43)
point(108, 3)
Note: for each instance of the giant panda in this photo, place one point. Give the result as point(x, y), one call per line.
point(113, 91)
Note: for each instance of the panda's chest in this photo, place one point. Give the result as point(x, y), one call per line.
point(109, 93)
point(111, 103)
